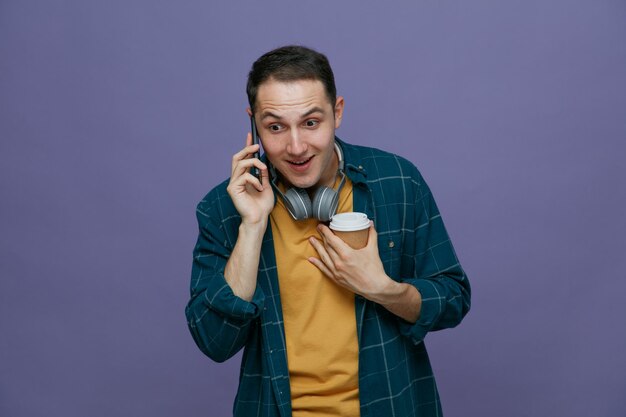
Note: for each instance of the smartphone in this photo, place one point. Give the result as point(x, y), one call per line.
point(255, 140)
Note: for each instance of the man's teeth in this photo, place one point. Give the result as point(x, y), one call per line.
point(300, 162)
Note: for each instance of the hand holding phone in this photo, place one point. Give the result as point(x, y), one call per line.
point(254, 200)
point(255, 140)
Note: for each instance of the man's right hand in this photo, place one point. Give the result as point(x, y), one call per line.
point(253, 199)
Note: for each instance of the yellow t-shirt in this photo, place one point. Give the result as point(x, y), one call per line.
point(319, 318)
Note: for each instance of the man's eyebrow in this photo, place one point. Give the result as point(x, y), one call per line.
point(313, 110)
point(267, 114)
point(309, 112)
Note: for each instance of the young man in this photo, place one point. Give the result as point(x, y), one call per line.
point(327, 330)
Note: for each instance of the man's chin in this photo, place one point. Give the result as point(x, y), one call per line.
point(304, 185)
point(300, 182)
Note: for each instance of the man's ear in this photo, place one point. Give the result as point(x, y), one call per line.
point(249, 111)
point(338, 111)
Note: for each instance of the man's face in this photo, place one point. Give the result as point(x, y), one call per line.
point(296, 123)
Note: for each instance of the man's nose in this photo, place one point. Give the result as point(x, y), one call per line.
point(296, 145)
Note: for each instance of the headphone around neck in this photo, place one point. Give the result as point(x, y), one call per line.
point(325, 200)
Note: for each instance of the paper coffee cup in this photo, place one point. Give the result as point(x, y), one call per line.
point(352, 228)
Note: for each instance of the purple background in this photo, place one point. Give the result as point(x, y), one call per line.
point(116, 117)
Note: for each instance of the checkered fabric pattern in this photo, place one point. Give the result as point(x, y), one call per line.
point(395, 376)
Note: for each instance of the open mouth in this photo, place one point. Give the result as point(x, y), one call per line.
point(300, 163)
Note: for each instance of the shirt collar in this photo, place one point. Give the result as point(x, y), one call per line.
point(352, 163)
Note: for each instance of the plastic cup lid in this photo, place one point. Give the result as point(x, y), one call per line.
point(349, 222)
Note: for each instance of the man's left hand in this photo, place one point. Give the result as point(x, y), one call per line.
point(361, 271)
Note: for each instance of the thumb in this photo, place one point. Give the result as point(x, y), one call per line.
point(372, 238)
point(265, 177)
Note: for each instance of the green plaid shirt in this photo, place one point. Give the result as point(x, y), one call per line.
point(395, 376)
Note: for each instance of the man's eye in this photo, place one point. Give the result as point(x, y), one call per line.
point(311, 123)
point(274, 128)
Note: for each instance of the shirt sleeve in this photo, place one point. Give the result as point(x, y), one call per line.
point(218, 320)
point(438, 275)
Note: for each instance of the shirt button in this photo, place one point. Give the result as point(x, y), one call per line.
point(391, 244)
point(360, 167)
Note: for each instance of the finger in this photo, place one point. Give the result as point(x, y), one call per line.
point(245, 153)
point(244, 166)
point(320, 265)
point(332, 252)
point(331, 240)
point(240, 182)
point(265, 177)
point(329, 255)
point(253, 181)
point(322, 252)
point(372, 238)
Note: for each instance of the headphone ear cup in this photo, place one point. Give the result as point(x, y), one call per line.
point(325, 204)
point(298, 203)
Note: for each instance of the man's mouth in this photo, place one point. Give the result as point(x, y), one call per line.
point(300, 162)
